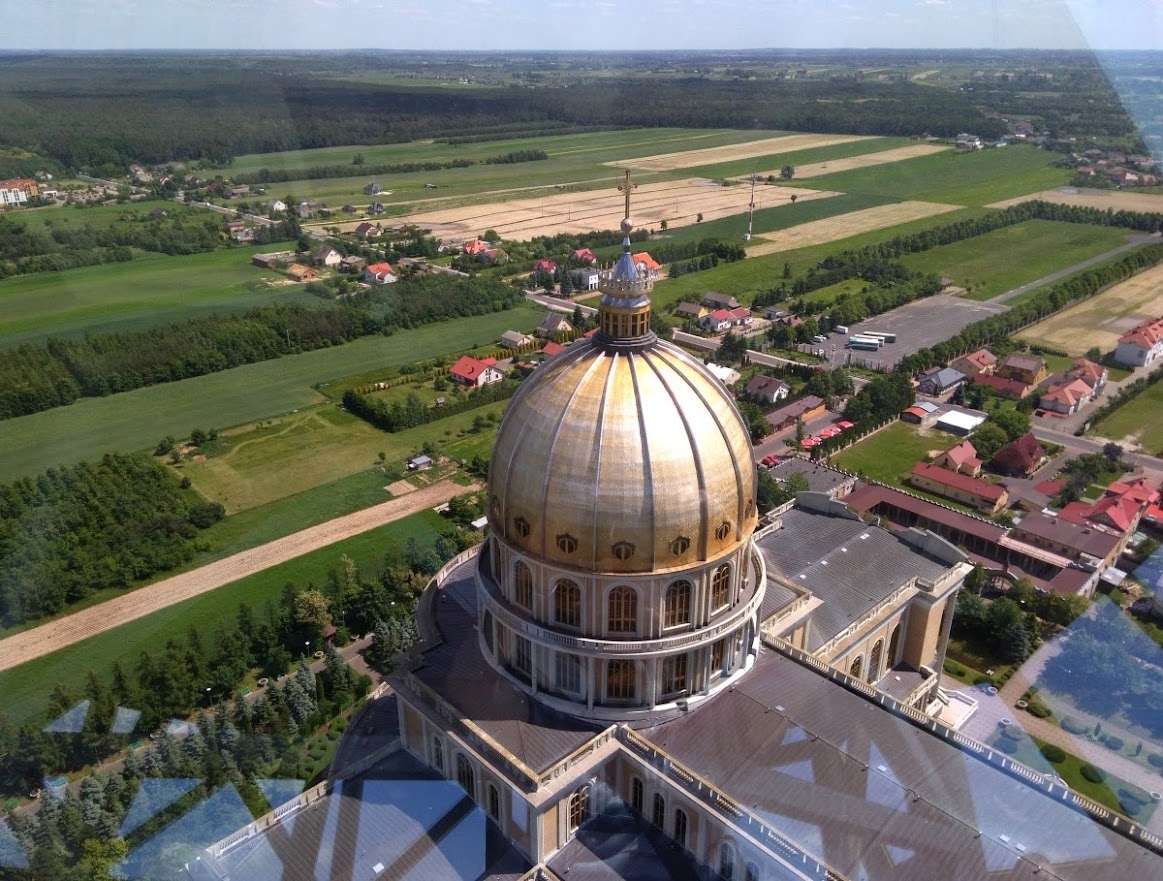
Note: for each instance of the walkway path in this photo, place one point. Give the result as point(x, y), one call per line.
point(62, 632)
point(1132, 242)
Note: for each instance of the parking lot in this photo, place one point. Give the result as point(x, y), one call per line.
point(917, 325)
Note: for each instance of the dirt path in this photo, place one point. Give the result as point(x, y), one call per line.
point(55, 635)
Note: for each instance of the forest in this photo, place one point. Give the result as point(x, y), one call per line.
point(75, 530)
point(316, 172)
point(40, 377)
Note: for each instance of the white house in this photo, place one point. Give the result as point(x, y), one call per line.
point(1141, 345)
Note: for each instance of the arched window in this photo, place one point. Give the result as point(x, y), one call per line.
point(680, 824)
point(721, 587)
point(566, 543)
point(567, 672)
point(874, 660)
point(674, 674)
point(622, 550)
point(494, 803)
point(726, 861)
point(680, 545)
point(718, 651)
point(521, 527)
point(620, 685)
point(465, 776)
point(623, 610)
point(437, 754)
point(857, 666)
point(637, 795)
point(677, 608)
point(752, 872)
point(658, 814)
point(722, 531)
point(578, 807)
point(522, 585)
point(894, 646)
point(567, 603)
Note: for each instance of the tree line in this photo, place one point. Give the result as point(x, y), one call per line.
point(40, 377)
point(399, 415)
point(72, 531)
point(319, 172)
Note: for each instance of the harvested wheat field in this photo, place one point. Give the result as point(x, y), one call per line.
point(1101, 320)
point(678, 202)
point(832, 229)
point(866, 160)
point(732, 152)
point(1119, 200)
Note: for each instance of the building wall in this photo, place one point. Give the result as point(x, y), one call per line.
point(971, 499)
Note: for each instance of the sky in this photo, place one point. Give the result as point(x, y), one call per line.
point(580, 24)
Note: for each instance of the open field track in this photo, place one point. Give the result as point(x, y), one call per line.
point(832, 229)
point(713, 155)
point(58, 634)
point(866, 160)
point(677, 202)
point(1118, 200)
point(1101, 320)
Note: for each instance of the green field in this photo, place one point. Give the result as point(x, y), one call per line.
point(772, 164)
point(977, 178)
point(1140, 418)
point(100, 216)
point(890, 454)
point(131, 296)
point(136, 420)
point(1008, 258)
point(26, 689)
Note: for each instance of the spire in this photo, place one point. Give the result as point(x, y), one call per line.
point(624, 310)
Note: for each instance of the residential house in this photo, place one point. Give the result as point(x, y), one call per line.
point(966, 141)
point(494, 257)
point(372, 189)
point(379, 273)
point(514, 339)
point(352, 264)
point(715, 300)
point(961, 458)
point(1066, 397)
point(18, 191)
point(1094, 547)
point(1141, 345)
point(420, 463)
point(646, 264)
point(919, 412)
point(767, 389)
point(693, 311)
point(276, 206)
point(1139, 489)
point(938, 381)
point(1094, 375)
point(475, 248)
point(724, 319)
point(299, 272)
point(1007, 388)
point(348, 209)
point(584, 279)
point(1019, 458)
point(551, 348)
point(806, 408)
point(545, 265)
point(328, 256)
point(723, 373)
point(268, 261)
point(791, 321)
point(552, 325)
point(368, 230)
point(376, 208)
point(584, 255)
point(981, 362)
point(1028, 369)
point(474, 372)
point(977, 494)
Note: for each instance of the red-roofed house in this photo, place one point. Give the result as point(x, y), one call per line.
point(1141, 345)
point(378, 273)
point(1066, 397)
point(545, 265)
point(961, 458)
point(1139, 489)
point(716, 321)
point(1010, 388)
point(584, 255)
point(475, 247)
point(368, 230)
point(646, 263)
point(975, 363)
point(1094, 375)
point(988, 497)
point(1021, 457)
point(552, 348)
point(475, 372)
point(1120, 512)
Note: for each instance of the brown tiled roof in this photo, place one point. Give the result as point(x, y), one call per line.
point(1085, 539)
point(865, 498)
point(1020, 454)
point(991, 492)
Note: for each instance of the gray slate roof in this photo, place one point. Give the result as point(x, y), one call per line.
point(623, 848)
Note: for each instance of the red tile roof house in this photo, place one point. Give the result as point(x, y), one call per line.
point(646, 263)
point(378, 273)
point(475, 247)
point(474, 372)
point(1019, 458)
point(980, 362)
point(988, 497)
point(1010, 388)
point(716, 321)
point(1066, 397)
point(961, 459)
point(552, 348)
point(545, 265)
point(584, 255)
point(1139, 489)
point(1141, 345)
point(1094, 375)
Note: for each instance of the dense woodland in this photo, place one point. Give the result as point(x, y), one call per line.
point(40, 377)
point(75, 530)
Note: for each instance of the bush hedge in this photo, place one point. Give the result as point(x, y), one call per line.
point(1007, 746)
point(953, 668)
point(1038, 709)
point(1073, 725)
point(1155, 760)
point(1053, 753)
point(1112, 742)
point(1013, 732)
point(1091, 773)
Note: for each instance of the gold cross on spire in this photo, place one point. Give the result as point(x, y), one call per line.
point(626, 187)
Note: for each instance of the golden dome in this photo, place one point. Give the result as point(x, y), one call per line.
point(623, 459)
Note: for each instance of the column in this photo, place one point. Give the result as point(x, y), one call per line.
point(705, 652)
point(591, 681)
point(652, 685)
point(534, 654)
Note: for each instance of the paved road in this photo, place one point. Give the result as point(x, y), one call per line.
point(1089, 445)
point(1132, 242)
point(62, 632)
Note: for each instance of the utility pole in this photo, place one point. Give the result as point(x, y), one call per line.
point(751, 208)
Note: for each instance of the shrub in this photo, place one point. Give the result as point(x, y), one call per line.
point(1091, 773)
point(1038, 710)
point(1007, 746)
point(983, 680)
point(1112, 742)
point(1155, 760)
point(1013, 732)
point(1074, 726)
point(953, 668)
point(1053, 753)
point(1132, 802)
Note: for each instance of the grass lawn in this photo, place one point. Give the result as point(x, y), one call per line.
point(285, 455)
point(1002, 260)
point(890, 454)
point(136, 420)
point(26, 688)
point(1141, 418)
point(141, 293)
point(977, 178)
point(99, 216)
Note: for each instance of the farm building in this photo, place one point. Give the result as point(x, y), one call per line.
point(956, 422)
point(919, 412)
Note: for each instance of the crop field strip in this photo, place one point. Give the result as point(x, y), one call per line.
point(711, 155)
point(844, 226)
point(1116, 200)
point(864, 160)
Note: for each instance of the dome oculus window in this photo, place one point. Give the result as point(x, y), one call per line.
point(722, 531)
point(622, 550)
point(521, 527)
point(566, 543)
point(680, 545)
